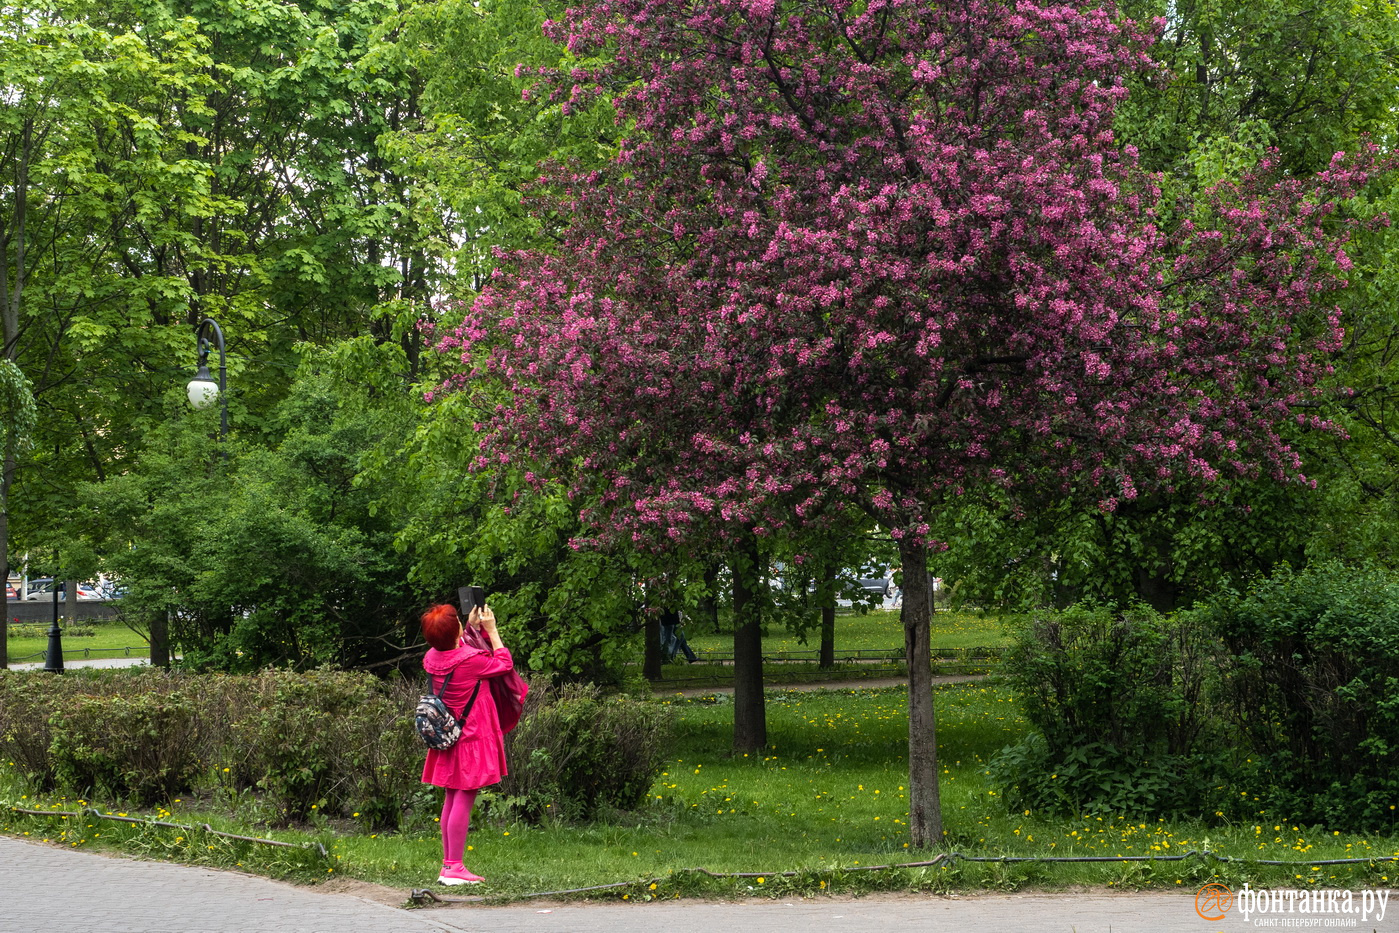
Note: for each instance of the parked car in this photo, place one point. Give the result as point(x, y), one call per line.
point(878, 586)
point(42, 588)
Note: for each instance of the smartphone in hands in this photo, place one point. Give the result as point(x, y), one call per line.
point(471, 597)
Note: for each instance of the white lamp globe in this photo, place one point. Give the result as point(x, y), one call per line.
point(202, 389)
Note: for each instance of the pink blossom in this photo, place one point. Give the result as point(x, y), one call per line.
point(881, 252)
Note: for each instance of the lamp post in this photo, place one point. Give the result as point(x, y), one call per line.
point(202, 388)
point(53, 657)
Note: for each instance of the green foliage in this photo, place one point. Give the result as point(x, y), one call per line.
point(1119, 704)
point(1313, 686)
point(578, 753)
point(1166, 550)
point(296, 565)
point(482, 138)
point(25, 707)
point(166, 162)
point(139, 748)
point(575, 611)
point(1306, 77)
point(322, 743)
point(322, 740)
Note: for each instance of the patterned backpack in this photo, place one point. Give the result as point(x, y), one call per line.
point(435, 722)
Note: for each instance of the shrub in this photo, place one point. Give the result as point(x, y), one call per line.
point(317, 739)
point(313, 743)
point(386, 760)
point(1119, 705)
point(29, 699)
point(1313, 687)
point(576, 752)
point(25, 705)
point(142, 748)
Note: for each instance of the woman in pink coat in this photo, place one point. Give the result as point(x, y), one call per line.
point(478, 758)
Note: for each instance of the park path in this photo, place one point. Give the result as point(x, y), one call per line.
point(51, 889)
point(70, 663)
point(858, 683)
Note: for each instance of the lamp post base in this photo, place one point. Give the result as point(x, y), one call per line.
point(53, 657)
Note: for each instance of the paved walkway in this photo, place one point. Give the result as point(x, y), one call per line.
point(70, 663)
point(48, 889)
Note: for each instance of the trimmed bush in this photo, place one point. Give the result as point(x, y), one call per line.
point(340, 741)
point(577, 752)
point(299, 737)
point(142, 748)
point(26, 702)
point(301, 745)
point(29, 699)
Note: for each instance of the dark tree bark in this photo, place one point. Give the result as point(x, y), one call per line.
point(828, 638)
point(160, 639)
point(750, 715)
point(709, 606)
point(651, 668)
point(828, 625)
point(925, 811)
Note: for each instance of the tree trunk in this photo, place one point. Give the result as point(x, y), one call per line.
point(750, 716)
point(70, 601)
point(651, 667)
point(925, 809)
point(9, 348)
point(828, 624)
point(160, 639)
point(5, 569)
point(709, 606)
point(828, 638)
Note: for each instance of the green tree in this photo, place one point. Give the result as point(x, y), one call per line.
point(273, 554)
point(483, 137)
point(255, 191)
point(1303, 76)
point(84, 144)
point(1306, 80)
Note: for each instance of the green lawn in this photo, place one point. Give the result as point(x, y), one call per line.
point(28, 640)
point(865, 646)
point(827, 800)
point(878, 630)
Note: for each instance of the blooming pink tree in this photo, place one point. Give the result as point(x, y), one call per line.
point(877, 251)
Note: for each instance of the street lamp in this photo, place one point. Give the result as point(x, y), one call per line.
point(202, 388)
point(53, 657)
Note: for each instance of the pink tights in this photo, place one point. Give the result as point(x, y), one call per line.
point(456, 821)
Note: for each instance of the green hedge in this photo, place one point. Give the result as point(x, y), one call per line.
point(294, 746)
point(577, 752)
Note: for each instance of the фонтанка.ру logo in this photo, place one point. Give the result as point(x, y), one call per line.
point(1293, 907)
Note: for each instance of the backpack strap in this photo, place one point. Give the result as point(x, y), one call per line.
point(438, 693)
point(469, 703)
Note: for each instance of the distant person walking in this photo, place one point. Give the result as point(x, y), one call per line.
point(477, 759)
point(673, 638)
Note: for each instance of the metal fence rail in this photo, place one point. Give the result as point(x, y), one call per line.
point(859, 655)
point(75, 653)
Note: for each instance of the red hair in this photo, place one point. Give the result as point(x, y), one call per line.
point(441, 626)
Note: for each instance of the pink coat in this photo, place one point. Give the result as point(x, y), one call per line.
point(477, 761)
